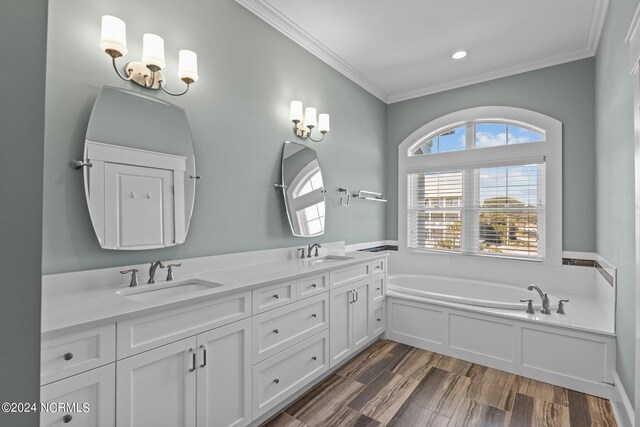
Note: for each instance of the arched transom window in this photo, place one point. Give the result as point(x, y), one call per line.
point(483, 181)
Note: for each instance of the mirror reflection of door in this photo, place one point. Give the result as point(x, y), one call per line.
point(304, 193)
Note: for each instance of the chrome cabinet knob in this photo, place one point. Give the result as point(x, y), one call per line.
point(67, 419)
point(276, 381)
point(314, 358)
point(68, 356)
point(314, 315)
point(313, 285)
point(276, 331)
point(276, 296)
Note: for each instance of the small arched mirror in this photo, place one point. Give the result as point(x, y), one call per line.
point(303, 190)
point(140, 185)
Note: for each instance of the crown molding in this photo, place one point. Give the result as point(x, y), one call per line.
point(277, 20)
point(280, 22)
point(550, 61)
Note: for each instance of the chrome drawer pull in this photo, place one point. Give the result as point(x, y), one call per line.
point(67, 419)
point(193, 360)
point(276, 381)
point(276, 296)
point(68, 356)
point(204, 356)
point(276, 331)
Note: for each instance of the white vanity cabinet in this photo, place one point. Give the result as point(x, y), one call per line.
point(203, 380)
point(158, 387)
point(90, 396)
point(350, 319)
point(218, 362)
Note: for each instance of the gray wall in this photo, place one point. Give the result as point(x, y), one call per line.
point(239, 113)
point(615, 176)
point(23, 27)
point(564, 92)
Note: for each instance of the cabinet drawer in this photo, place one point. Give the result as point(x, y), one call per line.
point(273, 296)
point(378, 320)
point(378, 289)
point(283, 327)
point(350, 274)
point(147, 332)
point(279, 377)
point(95, 388)
point(309, 286)
point(69, 354)
point(379, 266)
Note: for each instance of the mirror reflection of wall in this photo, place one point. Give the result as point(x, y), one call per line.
point(140, 188)
point(304, 190)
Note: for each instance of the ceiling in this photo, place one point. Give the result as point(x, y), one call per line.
point(401, 49)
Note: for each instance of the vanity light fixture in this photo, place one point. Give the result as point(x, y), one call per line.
point(459, 54)
point(146, 72)
point(303, 124)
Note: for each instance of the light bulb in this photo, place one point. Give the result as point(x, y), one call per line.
point(153, 52)
point(310, 120)
point(295, 114)
point(323, 123)
point(187, 66)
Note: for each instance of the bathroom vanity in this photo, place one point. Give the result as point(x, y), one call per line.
point(225, 347)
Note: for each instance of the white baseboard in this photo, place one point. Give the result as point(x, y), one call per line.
point(621, 405)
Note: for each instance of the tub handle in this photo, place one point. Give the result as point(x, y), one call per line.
point(529, 302)
point(561, 306)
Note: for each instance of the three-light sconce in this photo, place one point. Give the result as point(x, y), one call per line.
point(146, 72)
point(303, 124)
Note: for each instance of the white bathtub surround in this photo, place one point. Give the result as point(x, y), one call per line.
point(474, 313)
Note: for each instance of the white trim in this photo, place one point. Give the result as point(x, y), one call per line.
point(551, 148)
point(633, 26)
point(621, 405)
point(280, 22)
point(277, 20)
point(592, 256)
point(563, 58)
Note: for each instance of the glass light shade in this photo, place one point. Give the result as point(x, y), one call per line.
point(114, 34)
point(310, 117)
point(153, 51)
point(323, 123)
point(187, 65)
point(295, 113)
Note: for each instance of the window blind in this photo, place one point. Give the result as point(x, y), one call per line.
point(493, 210)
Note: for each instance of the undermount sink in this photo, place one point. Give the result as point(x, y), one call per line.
point(330, 258)
point(163, 291)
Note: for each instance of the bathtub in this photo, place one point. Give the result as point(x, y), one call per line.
point(485, 323)
point(465, 291)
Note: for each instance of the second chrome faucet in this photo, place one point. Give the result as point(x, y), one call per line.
point(544, 297)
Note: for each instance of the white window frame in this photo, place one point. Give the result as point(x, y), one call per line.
point(550, 149)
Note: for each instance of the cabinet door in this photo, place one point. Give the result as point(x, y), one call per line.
point(95, 388)
point(340, 323)
point(360, 317)
point(158, 388)
point(224, 376)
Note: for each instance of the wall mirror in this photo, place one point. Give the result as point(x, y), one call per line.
point(303, 190)
point(140, 175)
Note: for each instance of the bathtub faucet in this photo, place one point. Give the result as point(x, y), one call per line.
point(543, 297)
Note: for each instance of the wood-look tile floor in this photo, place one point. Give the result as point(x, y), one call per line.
point(391, 384)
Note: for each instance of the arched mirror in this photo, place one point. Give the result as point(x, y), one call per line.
point(140, 179)
point(303, 190)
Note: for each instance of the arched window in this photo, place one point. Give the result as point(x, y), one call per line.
point(483, 181)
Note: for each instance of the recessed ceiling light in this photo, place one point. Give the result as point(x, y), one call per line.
point(459, 54)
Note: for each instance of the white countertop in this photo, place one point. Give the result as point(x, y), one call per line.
point(93, 307)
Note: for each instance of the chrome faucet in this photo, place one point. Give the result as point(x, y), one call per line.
point(316, 246)
point(152, 271)
point(543, 297)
